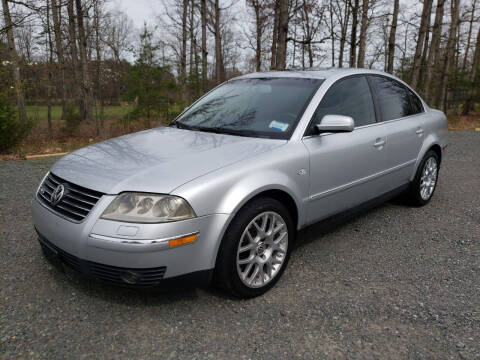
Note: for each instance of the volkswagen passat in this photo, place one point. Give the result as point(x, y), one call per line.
point(221, 192)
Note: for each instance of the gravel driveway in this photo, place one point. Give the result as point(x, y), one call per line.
point(393, 282)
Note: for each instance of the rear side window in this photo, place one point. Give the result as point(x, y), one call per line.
point(349, 97)
point(392, 98)
point(415, 102)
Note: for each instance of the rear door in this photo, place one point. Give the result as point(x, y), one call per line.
point(402, 112)
point(345, 168)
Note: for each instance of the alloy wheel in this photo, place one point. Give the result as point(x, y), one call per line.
point(428, 179)
point(262, 249)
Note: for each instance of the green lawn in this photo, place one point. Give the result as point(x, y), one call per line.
point(39, 113)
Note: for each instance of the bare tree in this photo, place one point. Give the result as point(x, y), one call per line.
point(203, 16)
point(12, 51)
point(276, 19)
point(118, 30)
point(56, 10)
point(433, 58)
point(448, 59)
point(183, 49)
point(363, 35)
point(219, 65)
point(259, 9)
point(282, 31)
point(391, 38)
point(473, 78)
point(72, 34)
point(353, 32)
point(417, 57)
point(469, 36)
point(342, 14)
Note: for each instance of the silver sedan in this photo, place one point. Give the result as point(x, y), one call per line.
point(220, 193)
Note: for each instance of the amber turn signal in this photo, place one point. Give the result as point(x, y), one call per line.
point(183, 240)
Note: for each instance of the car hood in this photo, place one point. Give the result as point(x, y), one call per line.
point(156, 160)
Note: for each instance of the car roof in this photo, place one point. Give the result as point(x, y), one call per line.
point(313, 73)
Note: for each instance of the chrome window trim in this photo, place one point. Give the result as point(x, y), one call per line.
point(373, 93)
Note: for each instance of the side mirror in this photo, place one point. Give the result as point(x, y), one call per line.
point(335, 124)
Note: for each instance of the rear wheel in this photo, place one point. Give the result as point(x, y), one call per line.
point(256, 248)
point(425, 181)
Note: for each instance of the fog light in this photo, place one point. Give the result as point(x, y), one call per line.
point(130, 277)
point(183, 240)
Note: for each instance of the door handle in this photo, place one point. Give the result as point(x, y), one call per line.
point(419, 131)
point(379, 143)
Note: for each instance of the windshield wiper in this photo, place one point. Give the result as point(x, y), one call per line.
point(220, 130)
point(216, 130)
point(183, 126)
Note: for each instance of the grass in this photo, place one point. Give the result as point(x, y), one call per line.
point(43, 141)
point(39, 113)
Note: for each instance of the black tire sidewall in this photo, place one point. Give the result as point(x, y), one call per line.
point(226, 267)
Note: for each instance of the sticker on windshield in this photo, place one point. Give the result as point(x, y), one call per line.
point(278, 125)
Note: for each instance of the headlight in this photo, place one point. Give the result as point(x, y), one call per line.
point(148, 208)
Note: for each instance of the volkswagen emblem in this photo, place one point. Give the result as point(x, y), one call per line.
point(57, 195)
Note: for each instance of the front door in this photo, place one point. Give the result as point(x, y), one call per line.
point(346, 168)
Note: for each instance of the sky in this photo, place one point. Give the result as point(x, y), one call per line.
point(138, 10)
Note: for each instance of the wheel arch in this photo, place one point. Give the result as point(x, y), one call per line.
point(438, 151)
point(277, 192)
point(430, 143)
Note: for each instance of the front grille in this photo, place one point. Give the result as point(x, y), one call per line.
point(114, 274)
point(76, 202)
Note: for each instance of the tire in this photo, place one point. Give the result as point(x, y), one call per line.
point(415, 195)
point(243, 250)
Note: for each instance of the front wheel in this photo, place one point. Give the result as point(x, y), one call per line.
point(425, 182)
point(256, 248)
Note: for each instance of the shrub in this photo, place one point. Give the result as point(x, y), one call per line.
point(72, 119)
point(11, 131)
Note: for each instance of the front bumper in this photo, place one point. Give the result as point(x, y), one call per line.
point(143, 277)
point(96, 241)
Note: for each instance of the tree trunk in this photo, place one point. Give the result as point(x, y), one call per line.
point(82, 45)
point(474, 78)
point(448, 60)
point(276, 18)
point(469, 36)
point(363, 35)
point(50, 84)
point(219, 67)
point(343, 33)
point(434, 51)
point(391, 38)
point(283, 18)
point(98, 88)
point(417, 58)
point(12, 52)
point(308, 32)
point(423, 62)
point(353, 34)
point(332, 32)
point(258, 25)
point(203, 15)
point(183, 51)
point(56, 10)
point(74, 53)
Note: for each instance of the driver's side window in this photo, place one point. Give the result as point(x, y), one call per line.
point(348, 97)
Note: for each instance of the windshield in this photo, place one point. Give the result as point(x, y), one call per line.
point(267, 107)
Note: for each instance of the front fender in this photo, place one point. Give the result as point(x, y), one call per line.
point(226, 190)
